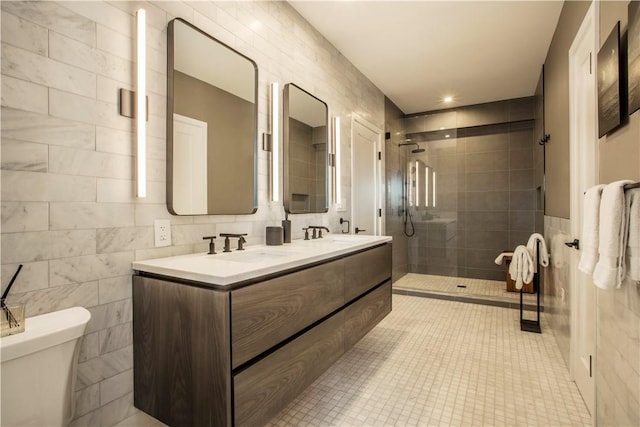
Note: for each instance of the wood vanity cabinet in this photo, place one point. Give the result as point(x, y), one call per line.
point(207, 355)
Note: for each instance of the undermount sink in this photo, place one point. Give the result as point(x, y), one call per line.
point(262, 255)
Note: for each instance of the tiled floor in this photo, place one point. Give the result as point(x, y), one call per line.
point(435, 362)
point(489, 289)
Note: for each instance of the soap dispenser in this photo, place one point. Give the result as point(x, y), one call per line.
point(286, 228)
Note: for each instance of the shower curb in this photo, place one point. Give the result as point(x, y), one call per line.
point(470, 299)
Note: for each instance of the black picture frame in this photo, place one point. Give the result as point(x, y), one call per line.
point(609, 115)
point(633, 56)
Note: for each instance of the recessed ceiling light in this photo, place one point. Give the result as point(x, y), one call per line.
point(448, 99)
point(447, 136)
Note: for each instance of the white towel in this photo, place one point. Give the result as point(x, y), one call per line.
point(541, 258)
point(521, 268)
point(590, 229)
point(609, 270)
point(500, 258)
point(633, 242)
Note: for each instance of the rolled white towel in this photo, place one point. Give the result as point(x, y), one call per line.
point(500, 259)
point(609, 270)
point(633, 242)
point(521, 267)
point(590, 229)
point(541, 258)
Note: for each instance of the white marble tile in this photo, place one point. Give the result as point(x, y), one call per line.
point(114, 141)
point(100, 368)
point(105, 14)
point(24, 216)
point(38, 69)
point(24, 156)
point(123, 191)
point(33, 275)
point(114, 289)
point(67, 216)
point(87, 400)
point(175, 9)
point(109, 414)
point(24, 95)
point(67, 105)
point(108, 90)
point(115, 43)
point(146, 213)
point(25, 126)
point(73, 161)
point(55, 17)
point(24, 34)
point(124, 239)
point(139, 419)
point(156, 17)
point(167, 251)
point(116, 337)
point(115, 387)
point(43, 245)
point(90, 267)
point(89, 346)
point(46, 187)
point(58, 298)
point(193, 233)
point(109, 315)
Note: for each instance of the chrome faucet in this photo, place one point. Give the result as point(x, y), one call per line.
point(319, 229)
point(227, 244)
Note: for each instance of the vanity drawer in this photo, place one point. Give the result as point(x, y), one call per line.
point(361, 316)
point(365, 270)
point(265, 314)
point(266, 387)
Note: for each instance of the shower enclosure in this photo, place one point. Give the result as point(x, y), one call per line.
point(469, 193)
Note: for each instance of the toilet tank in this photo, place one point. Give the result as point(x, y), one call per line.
point(39, 369)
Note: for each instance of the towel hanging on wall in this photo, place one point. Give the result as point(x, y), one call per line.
point(633, 244)
point(610, 269)
point(590, 229)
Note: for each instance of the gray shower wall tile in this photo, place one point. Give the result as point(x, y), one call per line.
point(488, 181)
point(487, 162)
point(521, 109)
point(486, 143)
point(522, 200)
point(521, 179)
point(491, 221)
point(483, 259)
point(521, 159)
point(482, 239)
point(522, 221)
point(521, 139)
point(488, 201)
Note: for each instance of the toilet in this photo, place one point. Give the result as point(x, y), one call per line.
point(39, 369)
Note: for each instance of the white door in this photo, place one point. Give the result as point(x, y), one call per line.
point(190, 165)
point(365, 185)
point(583, 153)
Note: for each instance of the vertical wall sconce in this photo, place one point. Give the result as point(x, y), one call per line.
point(426, 186)
point(275, 142)
point(135, 104)
point(433, 188)
point(417, 184)
point(141, 104)
point(338, 160)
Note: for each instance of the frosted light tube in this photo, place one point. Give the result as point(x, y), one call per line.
point(275, 142)
point(338, 161)
point(141, 105)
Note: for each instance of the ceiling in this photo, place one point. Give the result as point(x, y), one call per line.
point(418, 52)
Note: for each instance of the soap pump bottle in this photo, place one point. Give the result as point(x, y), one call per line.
point(286, 228)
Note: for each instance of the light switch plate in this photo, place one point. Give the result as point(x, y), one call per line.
point(162, 232)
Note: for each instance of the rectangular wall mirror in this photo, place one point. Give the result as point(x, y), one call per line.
point(306, 165)
point(212, 129)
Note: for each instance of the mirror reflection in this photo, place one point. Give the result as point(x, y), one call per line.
point(305, 130)
point(211, 125)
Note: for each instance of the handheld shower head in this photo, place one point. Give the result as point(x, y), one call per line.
point(415, 150)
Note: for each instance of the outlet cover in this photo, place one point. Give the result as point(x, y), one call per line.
point(162, 232)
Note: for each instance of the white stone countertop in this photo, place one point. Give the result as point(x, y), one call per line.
point(227, 268)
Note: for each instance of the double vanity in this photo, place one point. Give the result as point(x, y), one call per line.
point(232, 338)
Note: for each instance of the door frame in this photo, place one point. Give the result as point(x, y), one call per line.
point(378, 170)
point(580, 156)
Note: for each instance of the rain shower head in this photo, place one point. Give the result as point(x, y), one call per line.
point(415, 150)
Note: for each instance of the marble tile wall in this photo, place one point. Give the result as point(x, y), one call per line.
point(68, 208)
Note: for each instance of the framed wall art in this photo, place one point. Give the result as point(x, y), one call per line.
point(633, 56)
point(609, 116)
